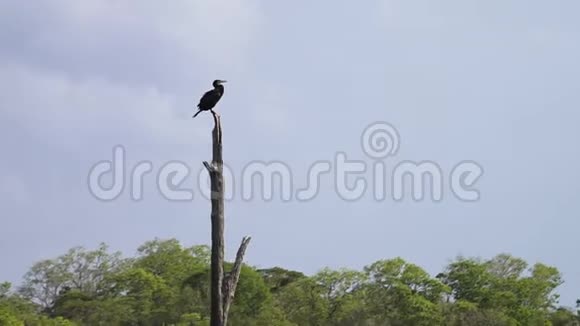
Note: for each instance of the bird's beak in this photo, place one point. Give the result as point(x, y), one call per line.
point(223, 81)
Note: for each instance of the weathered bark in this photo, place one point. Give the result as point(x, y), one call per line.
point(222, 289)
point(231, 281)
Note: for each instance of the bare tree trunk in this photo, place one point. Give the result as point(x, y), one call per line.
point(222, 289)
point(230, 282)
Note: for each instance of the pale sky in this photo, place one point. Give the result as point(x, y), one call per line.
point(496, 82)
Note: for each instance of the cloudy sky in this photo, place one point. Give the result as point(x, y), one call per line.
point(496, 82)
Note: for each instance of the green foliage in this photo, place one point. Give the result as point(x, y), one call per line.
point(7, 318)
point(502, 286)
point(170, 261)
point(252, 294)
point(277, 278)
point(564, 317)
point(5, 289)
point(78, 269)
point(168, 284)
point(16, 311)
point(400, 293)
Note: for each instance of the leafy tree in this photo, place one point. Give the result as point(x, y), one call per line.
point(501, 287)
point(5, 289)
point(463, 313)
point(148, 296)
point(185, 270)
point(564, 317)
point(302, 302)
point(170, 261)
point(168, 284)
point(78, 269)
point(87, 310)
point(277, 278)
point(7, 318)
point(400, 293)
point(253, 304)
point(340, 289)
point(17, 311)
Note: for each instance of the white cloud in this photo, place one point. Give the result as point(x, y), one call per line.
point(95, 67)
point(132, 40)
point(211, 28)
point(50, 104)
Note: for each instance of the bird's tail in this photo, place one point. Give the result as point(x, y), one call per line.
point(198, 112)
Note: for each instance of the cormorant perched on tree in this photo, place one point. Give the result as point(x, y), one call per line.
point(210, 99)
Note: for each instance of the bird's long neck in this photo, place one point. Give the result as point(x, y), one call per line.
point(219, 88)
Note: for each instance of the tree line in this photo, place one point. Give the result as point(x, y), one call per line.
point(166, 283)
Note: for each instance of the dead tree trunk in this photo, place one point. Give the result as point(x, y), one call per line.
point(222, 288)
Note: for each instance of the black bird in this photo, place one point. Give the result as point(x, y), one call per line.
point(210, 99)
